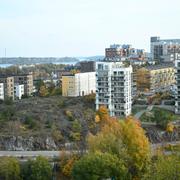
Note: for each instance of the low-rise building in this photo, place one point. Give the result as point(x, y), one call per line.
point(79, 84)
point(114, 87)
point(155, 78)
point(18, 91)
point(1, 91)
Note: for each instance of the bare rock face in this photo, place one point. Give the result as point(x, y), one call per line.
point(13, 143)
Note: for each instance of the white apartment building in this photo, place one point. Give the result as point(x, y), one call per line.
point(177, 96)
point(18, 91)
point(79, 84)
point(1, 91)
point(114, 87)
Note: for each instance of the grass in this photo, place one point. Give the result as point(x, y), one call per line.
point(136, 109)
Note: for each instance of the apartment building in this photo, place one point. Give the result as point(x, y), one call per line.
point(155, 78)
point(79, 84)
point(27, 81)
point(177, 97)
point(87, 66)
point(114, 87)
point(117, 52)
point(1, 91)
point(165, 50)
point(8, 82)
point(18, 91)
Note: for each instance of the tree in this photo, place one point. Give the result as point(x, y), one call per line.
point(103, 114)
point(165, 168)
point(127, 140)
point(9, 169)
point(43, 92)
point(99, 166)
point(37, 169)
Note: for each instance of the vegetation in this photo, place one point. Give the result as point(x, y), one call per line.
point(9, 169)
point(37, 169)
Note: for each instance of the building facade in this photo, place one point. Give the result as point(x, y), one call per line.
point(87, 66)
point(27, 81)
point(117, 52)
point(177, 96)
point(18, 91)
point(155, 78)
point(8, 82)
point(1, 91)
point(114, 88)
point(165, 50)
point(79, 84)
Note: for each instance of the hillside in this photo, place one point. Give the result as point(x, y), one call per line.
point(45, 123)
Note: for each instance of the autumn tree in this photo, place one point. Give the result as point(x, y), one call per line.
point(127, 140)
point(43, 92)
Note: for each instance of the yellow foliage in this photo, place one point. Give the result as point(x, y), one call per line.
point(68, 166)
point(170, 127)
point(97, 119)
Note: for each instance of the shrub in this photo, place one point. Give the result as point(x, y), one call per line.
point(69, 115)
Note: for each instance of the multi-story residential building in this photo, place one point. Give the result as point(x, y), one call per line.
point(114, 87)
point(119, 52)
point(8, 82)
point(18, 91)
point(27, 81)
point(165, 50)
point(87, 66)
point(79, 84)
point(177, 97)
point(155, 78)
point(1, 91)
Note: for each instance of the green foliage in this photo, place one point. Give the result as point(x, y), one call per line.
point(75, 136)
point(76, 126)
point(162, 117)
point(30, 123)
point(56, 91)
point(39, 169)
point(56, 135)
point(9, 169)
point(99, 166)
point(61, 103)
point(8, 101)
point(7, 113)
point(165, 168)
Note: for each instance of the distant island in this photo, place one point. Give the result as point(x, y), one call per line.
point(44, 60)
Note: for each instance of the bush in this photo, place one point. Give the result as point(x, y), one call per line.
point(56, 135)
point(69, 115)
point(31, 124)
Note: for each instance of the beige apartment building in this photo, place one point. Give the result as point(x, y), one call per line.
point(8, 82)
point(155, 78)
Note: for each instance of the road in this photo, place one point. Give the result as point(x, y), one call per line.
point(54, 154)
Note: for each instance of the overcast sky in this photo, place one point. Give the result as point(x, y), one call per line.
point(83, 27)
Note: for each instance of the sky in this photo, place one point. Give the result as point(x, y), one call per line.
point(58, 28)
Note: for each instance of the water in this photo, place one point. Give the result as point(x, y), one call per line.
point(5, 65)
